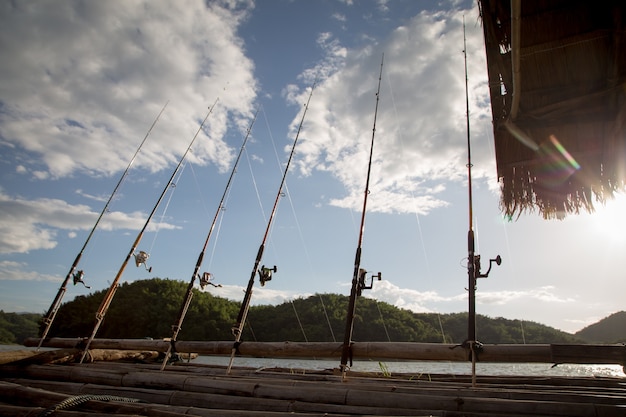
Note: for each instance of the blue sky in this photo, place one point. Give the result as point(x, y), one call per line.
point(82, 83)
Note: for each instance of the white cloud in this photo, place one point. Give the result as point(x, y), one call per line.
point(89, 81)
point(89, 78)
point(16, 271)
point(339, 17)
point(432, 301)
point(543, 294)
point(402, 297)
point(413, 300)
point(261, 295)
point(92, 197)
point(27, 225)
point(421, 114)
point(382, 5)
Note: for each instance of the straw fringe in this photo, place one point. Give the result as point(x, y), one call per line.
point(572, 87)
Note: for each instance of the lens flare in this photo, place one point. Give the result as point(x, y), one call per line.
point(557, 164)
point(564, 152)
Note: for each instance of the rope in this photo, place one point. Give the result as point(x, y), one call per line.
point(79, 399)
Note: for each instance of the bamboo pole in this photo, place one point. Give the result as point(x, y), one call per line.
point(508, 353)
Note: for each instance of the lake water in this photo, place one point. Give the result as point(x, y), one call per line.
point(424, 367)
point(417, 367)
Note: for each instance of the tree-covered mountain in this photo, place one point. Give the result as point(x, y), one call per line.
point(148, 308)
point(15, 327)
point(611, 329)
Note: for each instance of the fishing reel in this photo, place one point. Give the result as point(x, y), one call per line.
point(497, 260)
point(205, 280)
point(361, 282)
point(265, 274)
point(141, 258)
point(78, 277)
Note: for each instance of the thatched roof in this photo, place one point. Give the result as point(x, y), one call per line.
point(557, 79)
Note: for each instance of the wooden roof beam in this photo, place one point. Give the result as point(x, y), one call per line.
point(516, 25)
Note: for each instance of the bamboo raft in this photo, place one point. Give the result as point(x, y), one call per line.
point(51, 383)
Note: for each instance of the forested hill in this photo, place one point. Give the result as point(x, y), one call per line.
point(15, 327)
point(148, 308)
point(611, 329)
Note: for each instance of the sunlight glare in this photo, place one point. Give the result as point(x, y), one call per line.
point(609, 220)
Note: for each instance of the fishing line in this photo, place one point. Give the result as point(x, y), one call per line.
point(264, 273)
point(332, 333)
point(415, 211)
point(208, 215)
point(108, 297)
point(382, 319)
point(206, 277)
point(295, 216)
point(167, 204)
point(217, 234)
point(249, 324)
point(229, 189)
point(280, 170)
point(286, 193)
point(299, 322)
point(256, 188)
point(78, 275)
point(199, 190)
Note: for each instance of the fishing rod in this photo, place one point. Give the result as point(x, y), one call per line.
point(473, 260)
point(265, 274)
point(206, 277)
point(78, 276)
point(359, 274)
point(106, 302)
